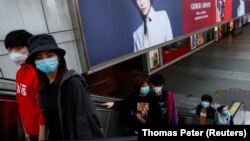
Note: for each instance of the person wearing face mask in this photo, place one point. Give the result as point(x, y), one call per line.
point(16, 42)
point(223, 116)
point(65, 101)
point(166, 99)
point(142, 107)
point(205, 111)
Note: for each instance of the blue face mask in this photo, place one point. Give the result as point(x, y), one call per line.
point(225, 113)
point(47, 65)
point(144, 90)
point(204, 104)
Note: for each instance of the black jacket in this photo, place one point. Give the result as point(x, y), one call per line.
point(130, 105)
point(77, 113)
point(210, 111)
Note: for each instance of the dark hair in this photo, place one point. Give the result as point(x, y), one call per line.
point(139, 81)
point(157, 79)
point(220, 109)
point(17, 38)
point(206, 97)
point(61, 70)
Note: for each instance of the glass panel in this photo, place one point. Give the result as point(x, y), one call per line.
point(66, 36)
point(8, 67)
point(21, 14)
point(57, 15)
point(71, 56)
point(2, 49)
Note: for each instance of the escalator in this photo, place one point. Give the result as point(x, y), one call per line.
point(11, 127)
point(10, 124)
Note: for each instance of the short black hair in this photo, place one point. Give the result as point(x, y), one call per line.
point(220, 109)
point(157, 79)
point(206, 97)
point(139, 81)
point(17, 38)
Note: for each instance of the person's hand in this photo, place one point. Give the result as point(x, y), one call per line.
point(108, 104)
point(27, 136)
point(140, 118)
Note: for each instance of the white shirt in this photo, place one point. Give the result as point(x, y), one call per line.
point(222, 120)
point(241, 8)
point(159, 30)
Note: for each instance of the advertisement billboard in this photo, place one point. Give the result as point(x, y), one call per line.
point(223, 10)
point(154, 59)
point(113, 29)
point(239, 8)
point(200, 39)
point(193, 41)
point(198, 14)
point(248, 6)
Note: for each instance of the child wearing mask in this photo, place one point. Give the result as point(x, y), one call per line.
point(166, 99)
point(223, 116)
point(143, 107)
point(16, 42)
point(205, 111)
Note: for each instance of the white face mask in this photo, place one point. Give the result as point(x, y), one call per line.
point(158, 90)
point(18, 58)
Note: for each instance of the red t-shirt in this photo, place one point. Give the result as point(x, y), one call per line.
point(27, 99)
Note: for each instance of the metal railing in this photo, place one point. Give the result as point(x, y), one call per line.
point(237, 110)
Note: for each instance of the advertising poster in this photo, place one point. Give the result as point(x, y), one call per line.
point(239, 8)
point(154, 60)
point(244, 19)
point(113, 29)
point(240, 22)
point(198, 14)
point(200, 39)
point(193, 41)
point(231, 25)
point(248, 6)
point(248, 18)
point(223, 10)
point(220, 32)
point(216, 33)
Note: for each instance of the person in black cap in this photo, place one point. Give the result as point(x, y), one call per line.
point(66, 104)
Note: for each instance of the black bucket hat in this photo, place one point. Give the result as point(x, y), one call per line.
point(42, 42)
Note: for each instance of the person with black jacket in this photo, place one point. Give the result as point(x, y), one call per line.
point(166, 98)
point(205, 111)
point(64, 98)
point(142, 106)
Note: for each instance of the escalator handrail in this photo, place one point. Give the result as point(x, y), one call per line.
point(186, 109)
point(7, 92)
point(8, 79)
point(187, 114)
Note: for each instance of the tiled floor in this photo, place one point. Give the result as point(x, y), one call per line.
point(221, 65)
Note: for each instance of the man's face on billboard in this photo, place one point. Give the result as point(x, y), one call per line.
point(144, 6)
